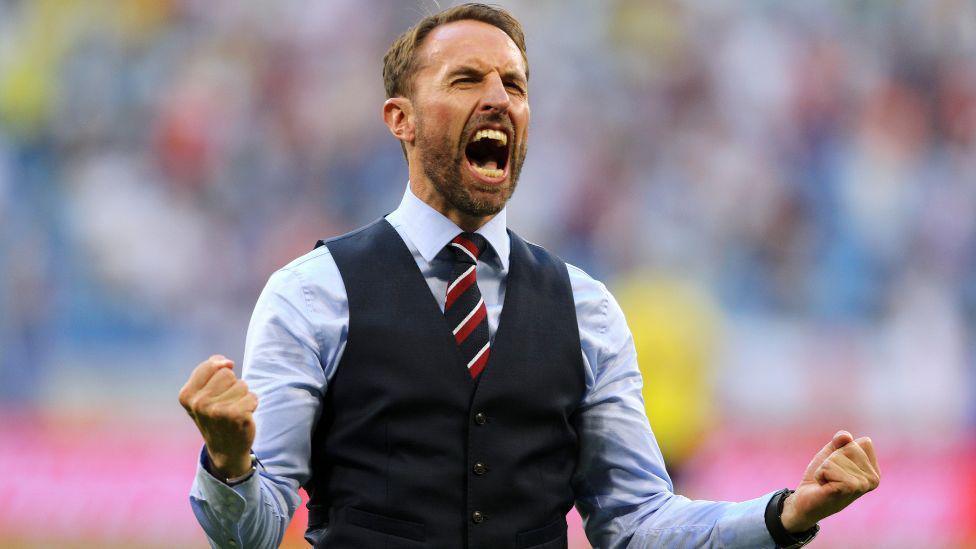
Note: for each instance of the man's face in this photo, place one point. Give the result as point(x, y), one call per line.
point(470, 100)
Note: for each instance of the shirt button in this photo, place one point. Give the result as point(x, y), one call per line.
point(477, 517)
point(480, 468)
point(480, 418)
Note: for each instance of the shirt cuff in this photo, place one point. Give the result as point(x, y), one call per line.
point(228, 502)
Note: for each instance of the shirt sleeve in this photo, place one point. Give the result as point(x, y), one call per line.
point(294, 342)
point(623, 491)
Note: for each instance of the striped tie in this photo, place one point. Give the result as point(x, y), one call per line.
point(465, 308)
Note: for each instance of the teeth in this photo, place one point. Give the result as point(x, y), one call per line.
point(491, 134)
point(488, 172)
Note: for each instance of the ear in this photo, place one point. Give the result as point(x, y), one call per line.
point(398, 115)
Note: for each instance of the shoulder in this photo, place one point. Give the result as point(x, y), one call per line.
point(540, 257)
point(309, 263)
point(360, 239)
point(316, 274)
point(590, 296)
point(312, 266)
point(309, 280)
point(321, 261)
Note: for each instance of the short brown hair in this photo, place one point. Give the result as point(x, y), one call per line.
point(399, 63)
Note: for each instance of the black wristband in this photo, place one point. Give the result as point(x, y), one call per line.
point(774, 523)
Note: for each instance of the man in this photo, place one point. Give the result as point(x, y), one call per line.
point(432, 380)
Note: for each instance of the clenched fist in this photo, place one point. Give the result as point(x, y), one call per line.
point(223, 409)
point(842, 471)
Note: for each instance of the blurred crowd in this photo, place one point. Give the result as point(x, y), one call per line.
point(805, 172)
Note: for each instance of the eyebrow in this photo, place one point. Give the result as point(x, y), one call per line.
point(470, 70)
point(465, 70)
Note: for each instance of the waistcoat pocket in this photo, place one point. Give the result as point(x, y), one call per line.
point(386, 525)
point(554, 531)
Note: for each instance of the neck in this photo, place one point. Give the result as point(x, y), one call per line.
point(423, 189)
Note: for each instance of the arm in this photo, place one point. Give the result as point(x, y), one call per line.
point(623, 491)
point(294, 342)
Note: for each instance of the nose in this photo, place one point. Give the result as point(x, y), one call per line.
point(495, 97)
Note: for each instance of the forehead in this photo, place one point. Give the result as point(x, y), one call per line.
point(470, 42)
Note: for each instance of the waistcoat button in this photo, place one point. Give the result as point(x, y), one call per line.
point(480, 418)
point(477, 517)
point(480, 468)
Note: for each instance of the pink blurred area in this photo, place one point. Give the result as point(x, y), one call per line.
point(910, 509)
point(103, 482)
point(98, 481)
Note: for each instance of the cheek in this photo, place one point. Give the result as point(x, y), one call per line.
point(440, 116)
point(521, 118)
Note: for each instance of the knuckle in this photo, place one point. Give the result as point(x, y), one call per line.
point(216, 358)
point(204, 408)
point(219, 413)
point(184, 397)
point(195, 403)
point(224, 375)
point(242, 421)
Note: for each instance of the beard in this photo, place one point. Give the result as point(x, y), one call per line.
point(443, 165)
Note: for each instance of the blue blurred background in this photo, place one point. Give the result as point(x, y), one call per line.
point(781, 195)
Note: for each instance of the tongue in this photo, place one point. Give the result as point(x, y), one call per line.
point(491, 165)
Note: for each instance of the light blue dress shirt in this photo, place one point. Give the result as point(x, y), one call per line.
point(295, 342)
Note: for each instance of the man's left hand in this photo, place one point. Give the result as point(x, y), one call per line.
point(842, 471)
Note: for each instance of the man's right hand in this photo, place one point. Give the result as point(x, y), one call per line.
point(223, 409)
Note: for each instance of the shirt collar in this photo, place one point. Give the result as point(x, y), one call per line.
point(430, 231)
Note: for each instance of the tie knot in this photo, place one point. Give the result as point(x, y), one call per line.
point(467, 247)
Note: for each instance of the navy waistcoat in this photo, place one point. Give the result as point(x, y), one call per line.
point(410, 451)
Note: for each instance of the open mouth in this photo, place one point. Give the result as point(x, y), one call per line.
point(487, 153)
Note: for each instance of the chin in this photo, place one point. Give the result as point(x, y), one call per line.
point(487, 199)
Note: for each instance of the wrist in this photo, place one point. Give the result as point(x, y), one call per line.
point(225, 466)
point(791, 519)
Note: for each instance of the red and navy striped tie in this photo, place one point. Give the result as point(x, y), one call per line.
point(465, 309)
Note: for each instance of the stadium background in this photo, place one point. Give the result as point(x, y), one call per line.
point(781, 195)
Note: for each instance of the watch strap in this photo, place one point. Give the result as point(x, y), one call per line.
point(774, 523)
